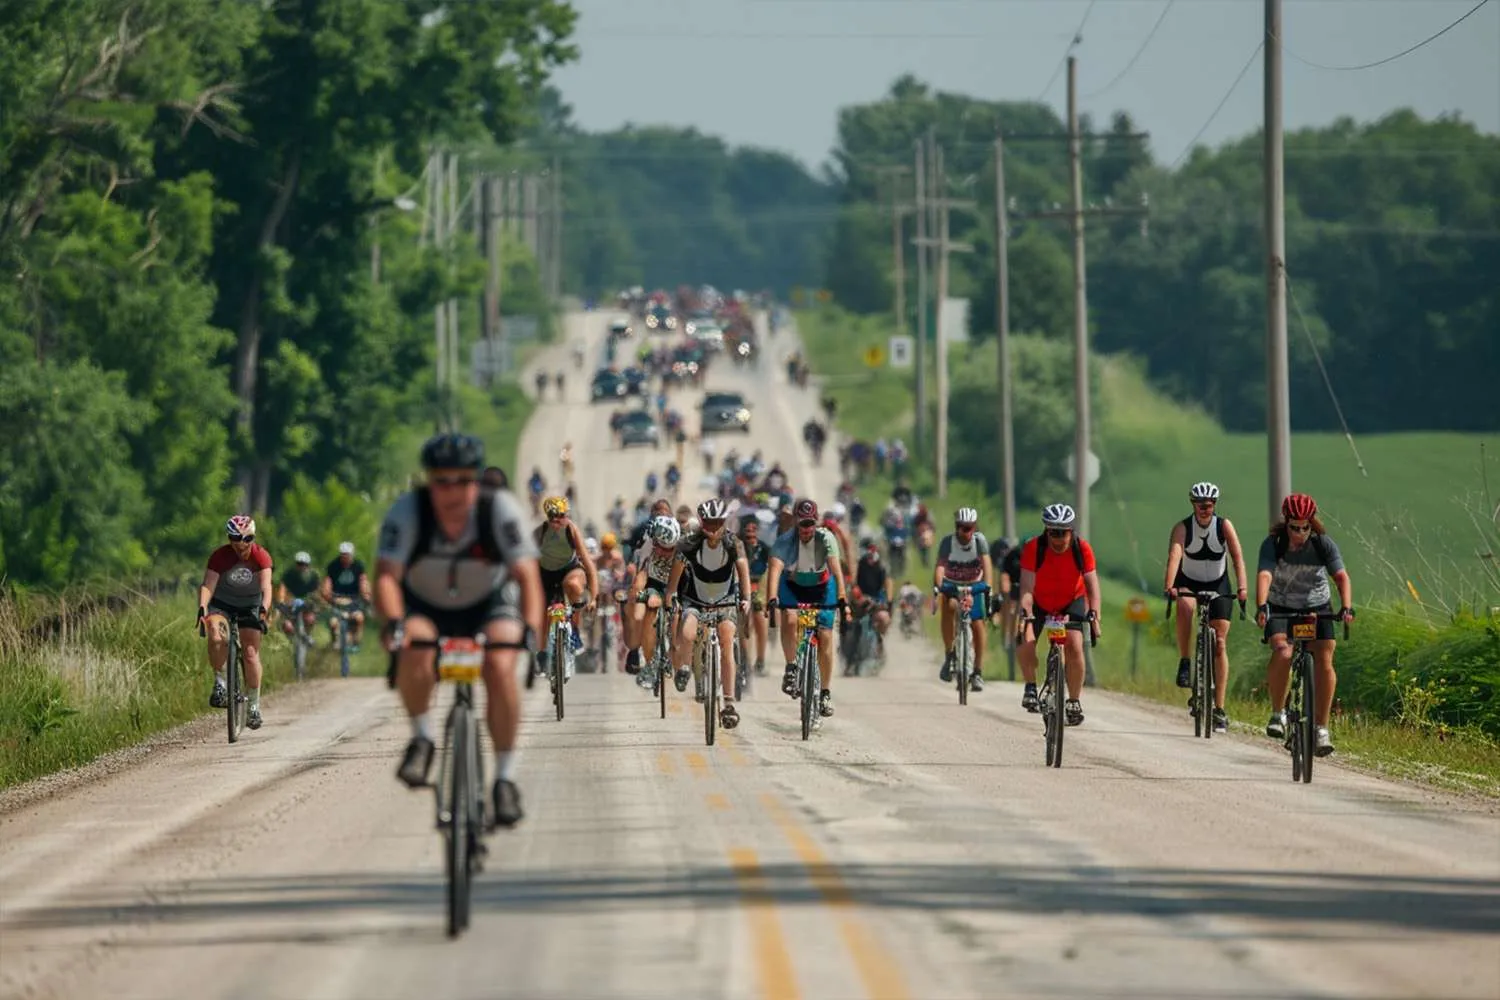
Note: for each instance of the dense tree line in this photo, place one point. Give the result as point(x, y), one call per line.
point(1393, 245)
point(189, 195)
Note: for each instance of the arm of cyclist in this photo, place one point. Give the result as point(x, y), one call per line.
point(742, 570)
point(1262, 595)
point(263, 577)
point(939, 576)
point(674, 580)
point(1026, 604)
point(773, 580)
point(1091, 588)
point(1346, 594)
point(205, 593)
point(1237, 553)
point(1175, 542)
point(836, 567)
point(991, 597)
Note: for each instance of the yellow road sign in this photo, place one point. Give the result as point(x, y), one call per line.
point(1137, 611)
point(874, 356)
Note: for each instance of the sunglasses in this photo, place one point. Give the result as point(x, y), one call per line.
point(451, 480)
point(963, 527)
point(1300, 529)
point(711, 525)
point(241, 539)
point(1204, 503)
point(807, 524)
point(1059, 532)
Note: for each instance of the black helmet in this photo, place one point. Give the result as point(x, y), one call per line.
point(453, 451)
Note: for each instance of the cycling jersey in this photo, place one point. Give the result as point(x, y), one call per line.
point(1299, 577)
point(237, 588)
point(1060, 580)
point(657, 562)
point(300, 582)
point(454, 574)
point(555, 547)
point(963, 562)
point(870, 577)
point(806, 563)
point(345, 579)
point(710, 570)
point(1205, 557)
point(759, 557)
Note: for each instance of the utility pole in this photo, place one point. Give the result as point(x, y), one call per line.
point(450, 232)
point(919, 428)
point(943, 205)
point(439, 312)
point(1002, 344)
point(557, 243)
point(1278, 399)
point(899, 211)
point(1080, 314)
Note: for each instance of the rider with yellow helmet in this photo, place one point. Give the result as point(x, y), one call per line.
point(565, 563)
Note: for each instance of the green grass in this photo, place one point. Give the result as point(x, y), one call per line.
point(113, 681)
point(1419, 691)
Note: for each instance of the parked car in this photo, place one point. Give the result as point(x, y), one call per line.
point(609, 385)
point(638, 427)
point(724, 411)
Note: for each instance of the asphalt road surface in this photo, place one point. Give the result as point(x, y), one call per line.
point(912, 848)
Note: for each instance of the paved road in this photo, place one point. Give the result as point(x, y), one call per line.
point(913, 848)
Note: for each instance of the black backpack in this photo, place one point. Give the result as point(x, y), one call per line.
point(486, 547)
point(1042, 547)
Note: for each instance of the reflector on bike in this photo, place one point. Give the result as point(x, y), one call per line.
point(459, 660)
point(1304, 630)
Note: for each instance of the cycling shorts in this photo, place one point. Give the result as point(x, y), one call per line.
point(790, 594)
point(978, 591)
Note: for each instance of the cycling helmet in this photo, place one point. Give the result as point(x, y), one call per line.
point(591, 546)
point(555, 506)
point(1058, 515)
point(1203, 491)
point(713, 510)
point(665, 531)
point(837, 511)
point(303, 559)
point(608, 541)
point(240, 526)
point(454, 451)
point(806, 510)
point(346, 548)
point(966, 516)
point(1298, 507)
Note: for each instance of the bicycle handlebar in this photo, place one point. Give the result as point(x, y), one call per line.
point(1025, 620)
point(1309, 616)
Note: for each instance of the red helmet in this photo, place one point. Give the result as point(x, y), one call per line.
point(1298, 507)
point(806, 510)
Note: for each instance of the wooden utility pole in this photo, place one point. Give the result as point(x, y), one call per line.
point(899, 210)
point(451, 231)
point(435, 208)
point(919, 427)
point(1278, 399)
point(1002, 344)
point(555, 271)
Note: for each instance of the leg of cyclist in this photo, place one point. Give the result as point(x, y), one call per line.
point(1219, 615)
point(250, 637)
point(1278, 673)
point(949, 633)
point(682, 653)
point(573, 587)
point(217, 628)
point(1327, 681)
point(1026, 657)
point(415, 680)
point(356, 627)
point(759, 625)
point(1187, 625)
point(1075, 663)
point(729, 716)
point(646, 624)
point(503, 711)
point(978, 634)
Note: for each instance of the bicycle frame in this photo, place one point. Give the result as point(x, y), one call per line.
point(810, 668)
point(963, 637)
point(558, 647)
point(343, 609)
point(239, 702)
point(708, 656)
point(1301, 704)
point(1205, 656)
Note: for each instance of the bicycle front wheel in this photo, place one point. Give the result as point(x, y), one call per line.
point(711, 692)
point(810, 679)
point(559, 669)
point(961, 662)
point(1309, 729)
point(460, 802)
point(1201, 659)
point(1210, 653)
point(232, 684)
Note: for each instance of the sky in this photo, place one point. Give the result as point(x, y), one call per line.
point(773, 73)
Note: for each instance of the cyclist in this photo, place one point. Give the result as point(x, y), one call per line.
point(653, 571)
point(617, 515)
point(875, 584)
point(910, 600)
point(609, 553)
point(715, 569)
point(1058, 579)
point(1292, 577)
point(541, 385)
point(566, 568)
point(805, 567)
point(236, 584)
point(345, 582)
point(758, 557)
point(299, 584)
point(833, 520)
point(674, 477)
point(534, 487)
point(1198, 554)
point(494, 478)
point(449, 554)
point(963, 557)
point(565, 460)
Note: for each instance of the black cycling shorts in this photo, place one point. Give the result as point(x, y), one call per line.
point(245, 618)
point(456, 623)
point(1278, 622)
point(1220, 608)
point(1078, 611)
point(552, 580)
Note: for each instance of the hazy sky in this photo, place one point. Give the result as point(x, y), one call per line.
point(774, 73)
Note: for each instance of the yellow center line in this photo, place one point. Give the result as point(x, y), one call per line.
point(697, 763)
point(878, 971)
point(773, 961)
point(674, 708)
point(664, 762)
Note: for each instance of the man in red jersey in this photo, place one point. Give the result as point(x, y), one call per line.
point(1058, 579)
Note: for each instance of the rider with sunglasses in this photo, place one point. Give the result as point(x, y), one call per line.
point(1198, 555)
point(1297, 561)
point(566, 565)
point(236, 584)
point(1058, 579)
point(963, 557)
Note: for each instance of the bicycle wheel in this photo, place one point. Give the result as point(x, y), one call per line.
point(1059, 700)
point(1309, 719)
point(1294, 719)
point(663, 659)
point(960, 659)
point(559, 669)
point(299, 647)
point(1200, 669)
point(809, 688)
point(343, 646)
point(711, 690)
point(1210, 653)
point(1047, 696)
point(460, 802)
point(232, 683)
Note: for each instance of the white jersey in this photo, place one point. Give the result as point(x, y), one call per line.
point(1205, 557)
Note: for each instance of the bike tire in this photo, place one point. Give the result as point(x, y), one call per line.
point(711, 692)
point(343, 646)
point(1309, 719)
point(809, 690)
point(1059, 703)
point(299, 648)
point(1048, 721)
point(1199, 660)
point(1210, 652)
point(960, 656)
point(232, 684)
point(460, 802)
point(1291, 709)
point(559, 670)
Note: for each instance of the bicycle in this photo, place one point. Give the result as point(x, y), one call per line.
point(459, 790)
point(707, 659)
point(559, 651)
point(1205, 678)
point(1054, 693)
point(237, 703)
point(1301, 698)
point(342, 609)
point(862, 646)
point(302, 639)
point(963, 651)
point(661, 661)
point(809, 671)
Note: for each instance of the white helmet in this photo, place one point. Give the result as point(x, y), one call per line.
point(837, 511)
point(1058, 515)
point(713, 509)
point(1203, 491)
point(591, 545)
point(346, 548)
point(966, 515)
point(303, 557)
point(664, 531)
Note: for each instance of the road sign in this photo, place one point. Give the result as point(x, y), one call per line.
point(901, 351)
point(1091, 464)
point(874, 356)
point(1137, 611)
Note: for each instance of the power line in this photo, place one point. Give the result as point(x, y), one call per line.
point(1133, 59)
point(1077, 38)
point(1388, 59)
point(1220, 107)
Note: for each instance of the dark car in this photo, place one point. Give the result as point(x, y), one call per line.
point(609, 385)
point(638, 427)
point(724, 411)
point(659, 319)
point(635, 380)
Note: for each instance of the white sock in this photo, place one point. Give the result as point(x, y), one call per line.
point(421, 725)
point(254, 694)
point(504, 763)
point(220, 679)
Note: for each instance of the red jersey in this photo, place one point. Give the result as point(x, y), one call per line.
point(1060, 581)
